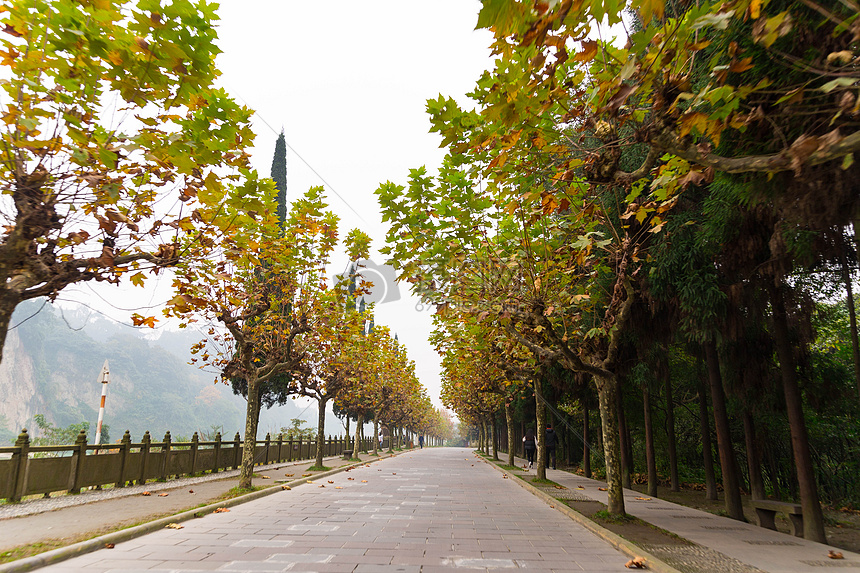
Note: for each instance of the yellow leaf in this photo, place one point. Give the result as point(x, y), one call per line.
point(137, 279)
point(755, 9)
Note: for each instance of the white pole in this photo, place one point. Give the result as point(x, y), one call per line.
point(104, 378)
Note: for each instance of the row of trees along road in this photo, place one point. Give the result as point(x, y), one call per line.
point(119, 157)
point(612, 213)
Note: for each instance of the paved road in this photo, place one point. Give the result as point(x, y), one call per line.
point(430, 510)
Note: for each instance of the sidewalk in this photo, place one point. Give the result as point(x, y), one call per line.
point(68, 519)
point(746, 543)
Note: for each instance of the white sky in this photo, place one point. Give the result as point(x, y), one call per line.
point(348, 82)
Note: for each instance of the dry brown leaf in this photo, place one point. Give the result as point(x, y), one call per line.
point(579, 487)
point(288, 475)
point(835, 554)
point(601, 489)
point(330, 481)
point(338, 487)
point(146, 493)
point(286, 487)
point(364, 481)
point(265, 477)
point(190, 491)
point(636, 563)
point(163, 494)
point(309, 481)
point(350, 479)
point(644, 498)
point(174, 526)
point(109, 545)
point(560, 487)
point(305, 475)
point(221, 510)
point(321, 485)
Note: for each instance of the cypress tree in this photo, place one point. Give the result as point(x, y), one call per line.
point(279, 175)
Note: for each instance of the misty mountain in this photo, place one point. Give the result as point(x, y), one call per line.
point(51, 366)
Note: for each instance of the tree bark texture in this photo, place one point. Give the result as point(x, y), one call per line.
point(509, 424)
point(320, 433)
point(586, 449)
point(753, 458)
point(675, 483)
point(624, 441)
point(650, 459)
point(813, 517)
point(249, 446)
point(728, 461)
point(540, 431)
point(607, 395)
point(707, 447)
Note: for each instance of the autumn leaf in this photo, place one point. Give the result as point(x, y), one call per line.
point(589, 50)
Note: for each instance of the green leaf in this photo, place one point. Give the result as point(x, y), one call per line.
point(837, 83)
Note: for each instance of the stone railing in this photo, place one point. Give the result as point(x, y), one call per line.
point(33, 470)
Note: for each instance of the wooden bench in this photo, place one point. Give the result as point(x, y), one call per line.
point(766, 510)
point(347, 454)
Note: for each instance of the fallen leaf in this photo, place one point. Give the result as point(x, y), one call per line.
point(560, 487)
point(579, 487)
point(146, 493)
point(321, 485)
point(601, 489)
point(286, 487)
point(288, 475)
point(350, 479)
point(174, 526)
point(309, 481)
point(636, 563)
point(835, 554)
point(644, 498)
point(265, 477)
point(364, 481)
point(338, 487)
point(163, 494)
point(109, 545)
point(221, 510)
point(394, 473)
point(190, 491)
point(305, 475)
point(330, 481)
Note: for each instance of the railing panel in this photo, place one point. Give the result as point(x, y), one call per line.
point(7, 478)
point(180, 462)
point(48, 474)
point(98, 470)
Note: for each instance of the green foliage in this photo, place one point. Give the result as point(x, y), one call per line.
point(297, 430)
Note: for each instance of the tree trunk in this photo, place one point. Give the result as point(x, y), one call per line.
point(540, 431)
point(509, 424)
point(707, 448)
point(624, 440)
point(675, 484)
point(320, 432)
point(607, 396)
point(728, 462)
point(376, 435)
point(813, 518)
point(495, 437)
point(249, 446)
point(650, 459)
point(586, 448)
point(358, 423)
point(753, 458)
point(852, 318)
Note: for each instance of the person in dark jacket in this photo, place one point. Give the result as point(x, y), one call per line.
point(551, 443)
point(529, 445)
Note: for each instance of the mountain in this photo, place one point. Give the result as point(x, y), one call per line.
point(51, 366)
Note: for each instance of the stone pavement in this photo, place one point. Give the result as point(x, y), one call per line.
point(435, 509)
point(747, 543)
point(66, 519)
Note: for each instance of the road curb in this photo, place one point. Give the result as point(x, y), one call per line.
point(613, 539)
point(90, 545)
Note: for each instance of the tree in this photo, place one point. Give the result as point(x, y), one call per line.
point(114, 141)
point(261, 286)
point(279, 175)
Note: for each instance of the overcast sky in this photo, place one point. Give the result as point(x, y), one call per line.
point(347, 81)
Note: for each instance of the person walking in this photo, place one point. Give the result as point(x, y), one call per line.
point(551, 443)
point(421, 441)
point(530, 446)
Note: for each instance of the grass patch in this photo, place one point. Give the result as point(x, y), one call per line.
point(508, 468)
point(237, 491)
point(318, 468)
point(540, 481)
point(604, 515)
